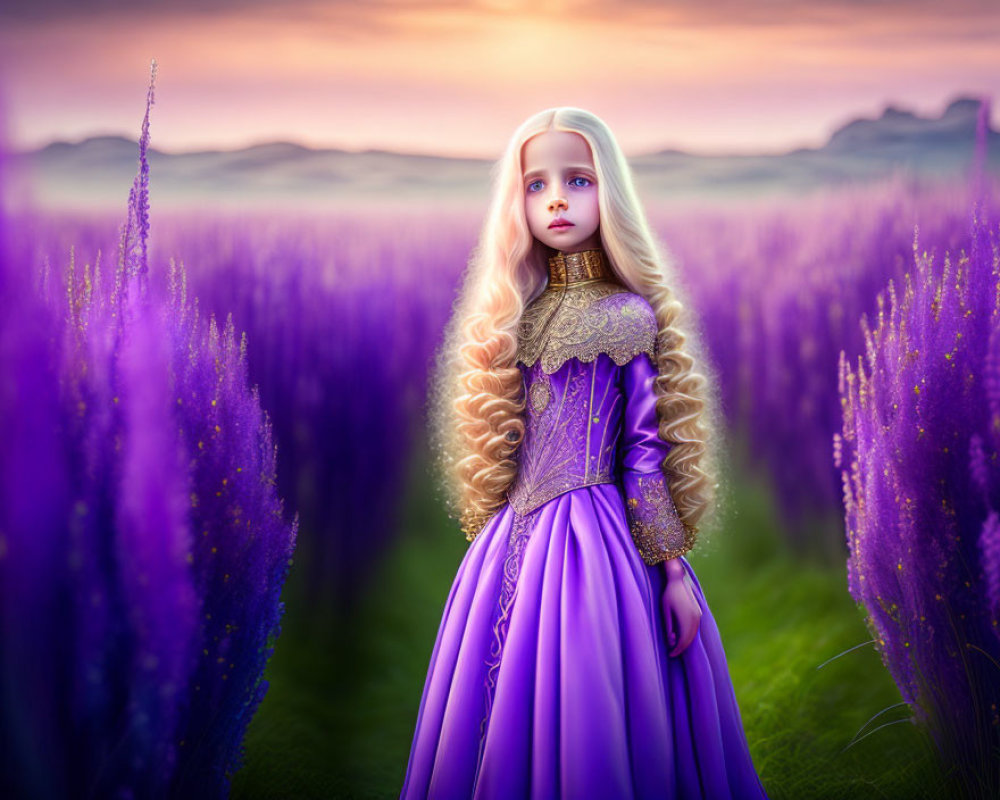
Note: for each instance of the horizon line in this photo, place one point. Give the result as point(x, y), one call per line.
point(791, 147)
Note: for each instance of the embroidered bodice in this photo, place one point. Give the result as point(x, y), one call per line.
point(587, 355)
point(570, 342)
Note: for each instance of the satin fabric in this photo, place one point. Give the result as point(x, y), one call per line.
point(550, 677)
point(586, 703)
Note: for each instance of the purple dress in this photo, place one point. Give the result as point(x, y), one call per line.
point(550, 676)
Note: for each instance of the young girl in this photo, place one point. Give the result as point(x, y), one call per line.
point(576, 657)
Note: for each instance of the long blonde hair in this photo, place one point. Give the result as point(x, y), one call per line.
point(476, 392)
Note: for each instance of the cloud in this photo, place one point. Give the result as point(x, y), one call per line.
point(753, 73)
point(380, 12)
point(363, 14)
point(783, 12)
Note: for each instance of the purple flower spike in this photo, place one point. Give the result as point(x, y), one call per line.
point(143, 545)
point(922, 487)
point(989, 547)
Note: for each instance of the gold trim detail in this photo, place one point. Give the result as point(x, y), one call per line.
point(583, 321)
point(657, 530)
point(539, 394)
point(566, 269)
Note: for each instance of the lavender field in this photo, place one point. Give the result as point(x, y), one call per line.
point(207, 402)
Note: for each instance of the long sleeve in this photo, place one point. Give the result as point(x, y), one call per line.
point(656, 528)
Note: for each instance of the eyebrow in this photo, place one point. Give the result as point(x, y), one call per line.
point(574, 168)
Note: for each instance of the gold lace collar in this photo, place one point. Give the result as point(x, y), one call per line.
point(598, 317)
point(585, 266)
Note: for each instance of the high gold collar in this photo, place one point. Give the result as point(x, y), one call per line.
point(586, 266)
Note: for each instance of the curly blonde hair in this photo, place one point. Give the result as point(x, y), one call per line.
point(476, 392)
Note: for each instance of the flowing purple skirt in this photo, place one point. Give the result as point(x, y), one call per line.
point(550, 676)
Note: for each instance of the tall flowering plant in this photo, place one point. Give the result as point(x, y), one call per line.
point(779, 292)
point(142, 542)
point(918, 454)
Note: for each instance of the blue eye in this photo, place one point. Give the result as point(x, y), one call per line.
point(539, 183)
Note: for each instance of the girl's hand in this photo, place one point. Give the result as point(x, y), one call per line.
point(681, 611)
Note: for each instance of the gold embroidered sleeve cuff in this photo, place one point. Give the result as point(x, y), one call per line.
point(656, 528)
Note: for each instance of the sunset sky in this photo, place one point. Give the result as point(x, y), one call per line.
point(728, 76)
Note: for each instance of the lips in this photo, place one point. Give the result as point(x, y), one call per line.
point(560, 223)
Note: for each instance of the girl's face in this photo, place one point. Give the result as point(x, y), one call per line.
point(560, 184)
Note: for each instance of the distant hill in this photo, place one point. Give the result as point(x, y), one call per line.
point(97, 172)
point(859, 151)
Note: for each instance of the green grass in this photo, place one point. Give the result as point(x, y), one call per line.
point(338, 718)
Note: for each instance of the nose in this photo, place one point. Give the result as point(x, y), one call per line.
point(557, 203)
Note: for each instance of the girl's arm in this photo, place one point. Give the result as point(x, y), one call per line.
point(656, 529)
